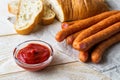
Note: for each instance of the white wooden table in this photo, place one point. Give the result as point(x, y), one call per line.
point(62, 66)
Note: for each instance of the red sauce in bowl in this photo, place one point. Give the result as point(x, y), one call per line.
point(33, 54)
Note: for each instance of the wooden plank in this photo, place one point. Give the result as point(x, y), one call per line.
point(71, 71)
point(8, 44)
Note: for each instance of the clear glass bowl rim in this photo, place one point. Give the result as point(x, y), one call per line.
point(32, 65)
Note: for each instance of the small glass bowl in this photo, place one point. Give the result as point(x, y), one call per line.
point(33, 67)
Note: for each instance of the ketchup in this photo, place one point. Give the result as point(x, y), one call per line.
point(33, 53)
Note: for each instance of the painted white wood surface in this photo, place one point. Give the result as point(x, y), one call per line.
point(62, 67)
point(71, 71)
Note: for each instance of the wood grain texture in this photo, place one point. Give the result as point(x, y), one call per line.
point(71, 71)
point(61, 68)
point(8, 43)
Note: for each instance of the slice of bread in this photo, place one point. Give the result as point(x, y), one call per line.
point(57, 8)
point(13, 6)
point(29, 14)
point(48, 17)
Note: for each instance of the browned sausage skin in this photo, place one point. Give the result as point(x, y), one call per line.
point(99, 50)
point(96, 28)
point(82, 24)
point(87, 43)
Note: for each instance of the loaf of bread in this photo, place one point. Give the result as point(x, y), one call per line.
point(29, 14)
point(68, 10)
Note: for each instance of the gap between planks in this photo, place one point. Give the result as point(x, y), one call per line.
point(4, 35)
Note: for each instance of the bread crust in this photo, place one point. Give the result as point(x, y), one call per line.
point(48, 17)
point(11, 9)
point(79, 9)
point(29, 28)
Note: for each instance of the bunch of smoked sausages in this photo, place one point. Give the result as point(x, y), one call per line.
point(92, 35)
